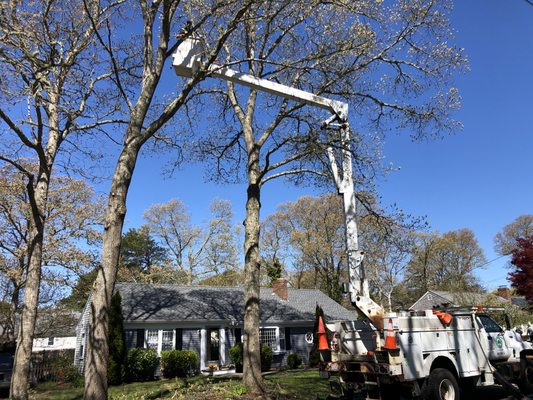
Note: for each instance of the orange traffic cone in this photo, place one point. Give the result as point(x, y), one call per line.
point(322, 339)
point(390, 337)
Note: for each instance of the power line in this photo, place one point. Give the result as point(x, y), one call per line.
point(529, 2)
point(496, 279)
point(497, 258)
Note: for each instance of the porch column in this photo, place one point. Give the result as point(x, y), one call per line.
point(203, 348)
point(222, 346)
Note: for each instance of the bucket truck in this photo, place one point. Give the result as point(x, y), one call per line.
point(420, 353)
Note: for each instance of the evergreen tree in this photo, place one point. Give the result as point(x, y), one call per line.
point(80, 292)
point(314, 354)
point(117, 342)
point(274, 270)
point(139, 250)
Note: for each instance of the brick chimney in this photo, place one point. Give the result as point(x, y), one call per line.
point(279, 287)
point(505, 292)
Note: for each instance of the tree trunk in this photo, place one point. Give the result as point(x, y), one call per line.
point(97, 346)
point(21, 367)
point(251, 358)
point(13, 310)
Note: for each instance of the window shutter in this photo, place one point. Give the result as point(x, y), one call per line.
point(140, 338)
point(287, 338)
point(237, 335)
point(179, 339)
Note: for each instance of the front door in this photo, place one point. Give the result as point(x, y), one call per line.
point(213, 344)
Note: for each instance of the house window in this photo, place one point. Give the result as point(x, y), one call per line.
point(152, 339)
point(51, 341)
point(167, 339)
point(131, 338)
point(159, 339)
point(270, 336)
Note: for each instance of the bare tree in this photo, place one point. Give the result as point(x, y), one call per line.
point(313, 229)
point(388, 243)
point(50, 74)
point(72, 217)
point(196, 251)
point(445, 262)
point(389, 60)
point(505, 241)
point(221, 251)
point(138, 68)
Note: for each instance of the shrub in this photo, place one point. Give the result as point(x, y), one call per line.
point(294, 360)
point(235, 354)
point(142, 364)
point(57, 366)
point(117, 343)
point(266, 357)
point(179, 363)
point(68, 373)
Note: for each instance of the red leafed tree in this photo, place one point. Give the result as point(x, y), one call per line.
point(522, 259)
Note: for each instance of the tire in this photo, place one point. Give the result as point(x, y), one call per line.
point(441, 385)
point(526, 383)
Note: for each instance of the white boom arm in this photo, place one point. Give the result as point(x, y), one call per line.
point(186, 61)
point(188, 57)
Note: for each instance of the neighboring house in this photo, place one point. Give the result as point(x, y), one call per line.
point(438, 299)
point(209, 320)
point(55, 330)
point(519, 301)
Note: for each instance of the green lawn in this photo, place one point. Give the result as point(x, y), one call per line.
point(280, 386)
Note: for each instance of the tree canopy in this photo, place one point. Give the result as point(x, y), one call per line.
point(444, 262)
point(505, 241)
point(522, 261)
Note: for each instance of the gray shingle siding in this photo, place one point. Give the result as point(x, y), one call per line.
point(81, 335)
point(299, 344)
point(191, 340)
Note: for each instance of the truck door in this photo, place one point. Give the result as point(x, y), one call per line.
point(498, 349)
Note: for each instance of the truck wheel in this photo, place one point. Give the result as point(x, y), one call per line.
point(526, 383)
point(441, 385)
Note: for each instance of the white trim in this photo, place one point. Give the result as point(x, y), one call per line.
point(203, 348)
point(222, 345)
point(276, 330)
point(159, 346)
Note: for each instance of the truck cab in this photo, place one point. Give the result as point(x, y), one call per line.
point(503, 344)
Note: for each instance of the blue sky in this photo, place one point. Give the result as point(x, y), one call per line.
point(481, 177)
point(478, 178)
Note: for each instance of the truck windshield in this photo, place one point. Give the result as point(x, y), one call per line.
point(489, 324)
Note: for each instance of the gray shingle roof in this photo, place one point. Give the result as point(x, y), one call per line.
point(520, 302)
point(153, 302)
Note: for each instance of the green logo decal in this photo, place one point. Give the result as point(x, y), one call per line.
point(499, 342)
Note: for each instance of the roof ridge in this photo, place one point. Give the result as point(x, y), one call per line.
point(177, 285)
